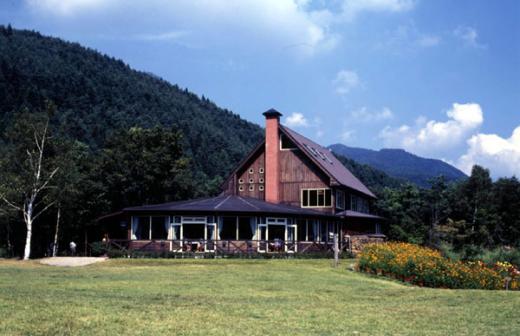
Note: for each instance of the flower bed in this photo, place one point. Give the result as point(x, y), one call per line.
point(427, 267)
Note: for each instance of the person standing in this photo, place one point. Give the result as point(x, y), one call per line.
point(72, 247)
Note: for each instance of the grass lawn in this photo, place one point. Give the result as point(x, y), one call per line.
point(226, 297)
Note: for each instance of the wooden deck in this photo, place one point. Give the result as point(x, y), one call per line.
point(224, 247)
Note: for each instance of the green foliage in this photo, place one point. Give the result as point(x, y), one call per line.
point(470, 215)
point(144, 166)
point(404, 209)
point(96, 96)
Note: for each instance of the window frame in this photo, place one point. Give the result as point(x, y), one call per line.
point(324, 190)
point(338, 205)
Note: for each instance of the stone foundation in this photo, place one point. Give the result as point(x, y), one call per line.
point(358, 241)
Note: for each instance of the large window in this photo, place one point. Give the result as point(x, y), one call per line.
point(316, 198)
point(302, 229)
point(229, 228)
point(146, 227)
point(340, 199)
point(141, 228)
point(359, 204)
point(245, 228)
point(160, 227)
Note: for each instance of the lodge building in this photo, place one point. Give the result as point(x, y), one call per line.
point(288, 195)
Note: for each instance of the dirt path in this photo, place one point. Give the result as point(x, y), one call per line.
point(71, 261)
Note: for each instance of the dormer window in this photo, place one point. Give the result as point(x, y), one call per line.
point(286, 143)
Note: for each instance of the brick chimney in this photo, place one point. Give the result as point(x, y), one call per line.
point(272, 156)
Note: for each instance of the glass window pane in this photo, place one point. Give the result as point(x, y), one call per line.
point(321, 200)
point(327, 198)
point(312, 230)
point(159, 230)
point(244, 228)
point(229, 228)
point(302, 229)
point(323, 231)
point(143, 229)
point(313, 197)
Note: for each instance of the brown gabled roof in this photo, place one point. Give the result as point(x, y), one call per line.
point(327, 162)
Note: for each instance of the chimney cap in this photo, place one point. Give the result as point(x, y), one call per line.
point(272, 113)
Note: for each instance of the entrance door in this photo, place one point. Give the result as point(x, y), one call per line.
point(210, 237)
point(291, 245)
point(276, 235)
point(262, 238)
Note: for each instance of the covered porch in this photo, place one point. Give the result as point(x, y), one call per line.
point(229, 234)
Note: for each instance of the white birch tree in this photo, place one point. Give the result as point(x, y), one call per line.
point(26, 177)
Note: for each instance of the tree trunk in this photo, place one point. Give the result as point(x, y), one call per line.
point(27, 251)
point(9, 245)
point(55, 244)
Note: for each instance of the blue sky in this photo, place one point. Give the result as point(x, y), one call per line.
point(438, 78)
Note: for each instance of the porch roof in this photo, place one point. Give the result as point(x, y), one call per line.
point(228, 204)
point(356, 214)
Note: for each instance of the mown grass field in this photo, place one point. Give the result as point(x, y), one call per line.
point(238, 297)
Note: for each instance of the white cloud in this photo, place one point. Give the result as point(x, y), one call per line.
point(345, 81)
point(282, 24)
point(428, 41)
point(365, 115)
point(428, 137)
point(347, 135)
point(405, 38)
point(292, 25)
point(352, 8)
point(67, 7)
point(296, 120)
point(173, 35)
point(501, 156)
point(468, 35)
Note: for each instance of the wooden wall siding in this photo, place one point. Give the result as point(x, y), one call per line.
point(150, 246)
point(256, 163)
point(229, 186)
point(298, 172)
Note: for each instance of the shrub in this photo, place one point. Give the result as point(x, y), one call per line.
point(427, 267)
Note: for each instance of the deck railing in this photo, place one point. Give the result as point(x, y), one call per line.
point(224, 246)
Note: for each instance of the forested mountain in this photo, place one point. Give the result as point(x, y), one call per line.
point(120, 137)
point(375, 179)
point(96, 95)
point(401, 164)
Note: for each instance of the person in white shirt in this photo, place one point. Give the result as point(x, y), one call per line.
point(72, 247)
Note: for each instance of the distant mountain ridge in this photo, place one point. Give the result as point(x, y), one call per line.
point(400, 164)
point(97, 95)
